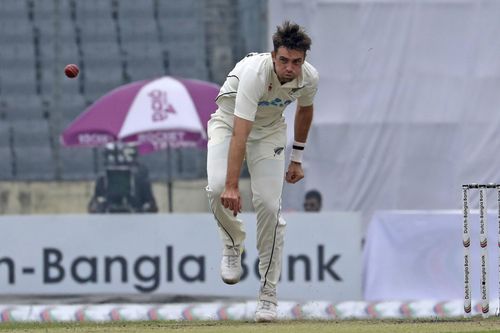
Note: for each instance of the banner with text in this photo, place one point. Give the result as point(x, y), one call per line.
point(173, 254)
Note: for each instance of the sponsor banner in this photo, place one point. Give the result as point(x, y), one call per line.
point(94, 139)
point(173, 254)
point(235, 311)
point(419, 255)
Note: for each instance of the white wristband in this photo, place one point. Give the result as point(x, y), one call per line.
point(297, 151)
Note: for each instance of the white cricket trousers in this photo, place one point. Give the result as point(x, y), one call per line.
point(266, 165)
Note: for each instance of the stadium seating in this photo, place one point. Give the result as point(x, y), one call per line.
point(31, 133)
point(102, 68)
point(93, 10)
point(20, 108)
point(144, 60)
point(156, 163)
point(182, 32)
point(32, 150)
point(191, 163)
point(33, 163)
point(77, 163)
point(5, 151)
point(5, 162)
point(17, 63)
point(114, 42)
point(13, 8)
point(71, 107)
point(17, 81)
point(15, 29)
point(97, 30)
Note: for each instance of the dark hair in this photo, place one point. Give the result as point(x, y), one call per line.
point(292, 36)
point(313, 194)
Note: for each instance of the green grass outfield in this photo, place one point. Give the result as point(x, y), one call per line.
point(341, 326)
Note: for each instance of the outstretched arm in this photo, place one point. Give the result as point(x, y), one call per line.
point(230, 198)
point(303, 120)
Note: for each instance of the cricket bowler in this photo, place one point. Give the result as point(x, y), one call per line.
point(249, 124)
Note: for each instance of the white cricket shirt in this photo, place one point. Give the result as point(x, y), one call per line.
point(253, 92)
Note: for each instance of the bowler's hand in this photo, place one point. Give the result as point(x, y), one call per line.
point(294, 173)
point(231, 199)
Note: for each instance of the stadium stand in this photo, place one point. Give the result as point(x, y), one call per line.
point(96, 29)
point(169, 162)
point(191, 161)
point(143, 60)
point(92, 11)
point(113, 42)
point(100, 58)
point(59, 30)
point(15, 27)
point(32, 150)
point(72, 106)
point(49, 68)
point(18, 83)
point(6, 165)
point(182, 32)
point(77, 163)
point(17, 60)
point(19, 108)
point(141, 9)
point(5, 150)
point(139, 39)
point(13, 8)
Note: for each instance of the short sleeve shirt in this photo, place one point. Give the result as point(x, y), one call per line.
point(253, 92)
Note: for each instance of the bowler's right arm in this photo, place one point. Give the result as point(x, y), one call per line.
point(230, 198)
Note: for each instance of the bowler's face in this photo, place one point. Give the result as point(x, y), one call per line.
point(287, 63)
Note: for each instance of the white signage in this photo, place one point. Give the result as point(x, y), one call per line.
point(418, 255)
point(173, 254)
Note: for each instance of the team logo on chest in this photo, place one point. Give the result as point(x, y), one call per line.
point(293, 92)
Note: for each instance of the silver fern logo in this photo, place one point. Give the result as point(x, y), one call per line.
point(278, 150)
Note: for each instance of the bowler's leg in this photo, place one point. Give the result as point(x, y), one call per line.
point(267, 176)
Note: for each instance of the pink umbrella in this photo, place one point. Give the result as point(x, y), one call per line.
point(154, 114)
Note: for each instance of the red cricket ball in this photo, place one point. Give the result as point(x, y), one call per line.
point(71, 70)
